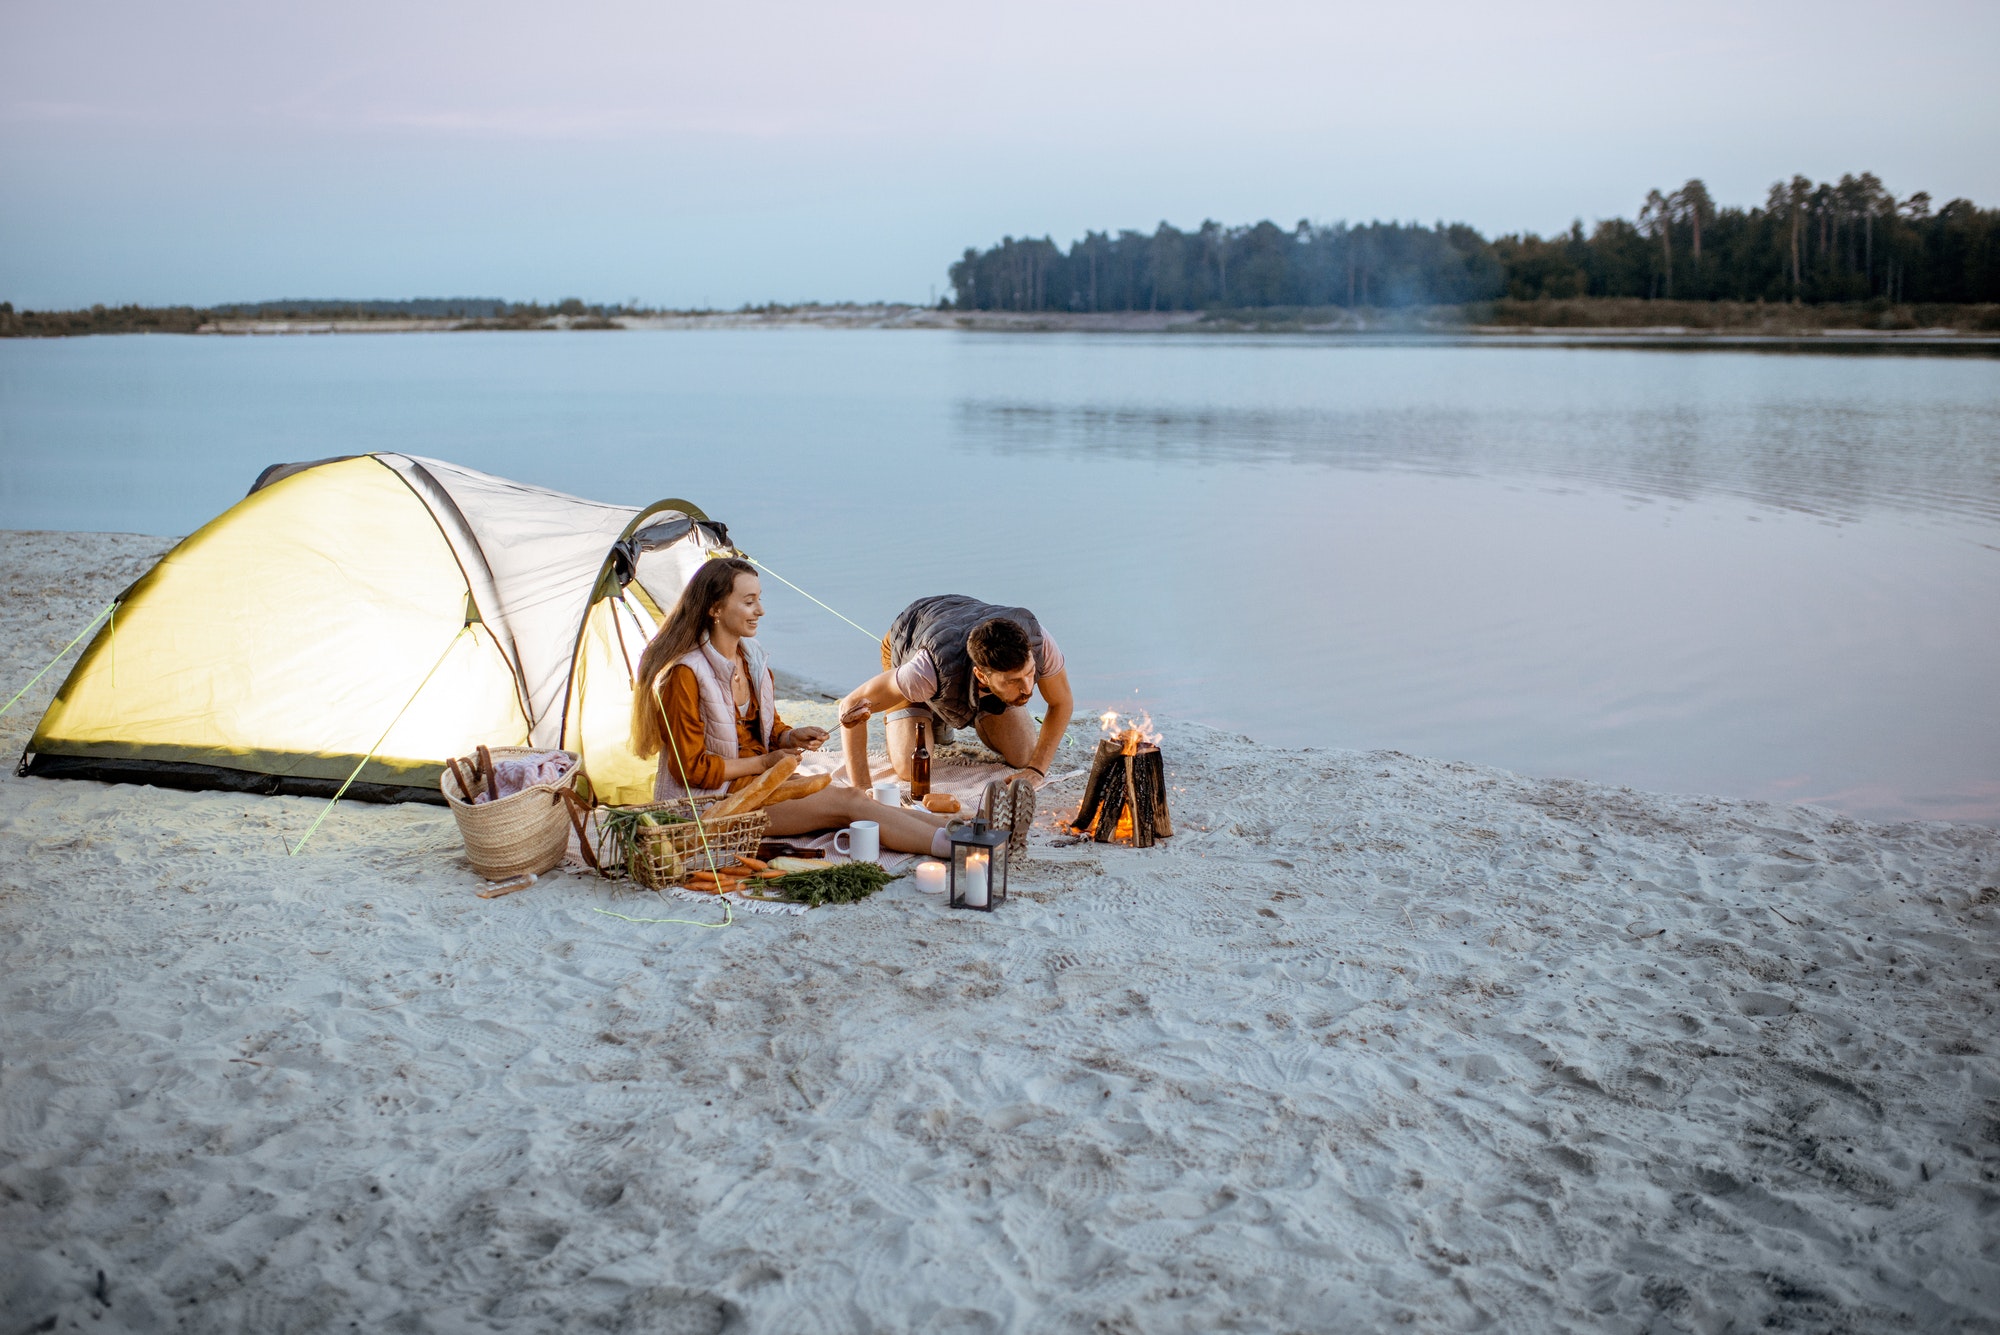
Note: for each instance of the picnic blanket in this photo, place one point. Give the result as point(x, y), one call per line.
point(964, 780)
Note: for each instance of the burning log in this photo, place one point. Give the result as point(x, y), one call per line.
point(1125, 797)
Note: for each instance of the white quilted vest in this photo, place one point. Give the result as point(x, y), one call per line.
point(713, 674)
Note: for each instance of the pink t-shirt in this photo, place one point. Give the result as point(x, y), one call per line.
point(917, 679)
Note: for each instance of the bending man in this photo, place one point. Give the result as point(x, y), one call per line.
point(951, 661)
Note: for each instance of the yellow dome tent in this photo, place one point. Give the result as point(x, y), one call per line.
point(379, 606)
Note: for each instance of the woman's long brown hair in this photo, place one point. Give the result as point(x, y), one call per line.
point(685, 626)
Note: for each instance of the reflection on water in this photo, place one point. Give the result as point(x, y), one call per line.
point(1755, 575)
point(1726, 572)
point(1835, 460)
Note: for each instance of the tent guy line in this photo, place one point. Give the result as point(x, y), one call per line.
point(314, 827)
point(788, 584)
point(106, 610)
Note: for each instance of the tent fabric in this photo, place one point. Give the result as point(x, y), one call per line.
point(545, 551)
point(388, 606)
point(600, 709)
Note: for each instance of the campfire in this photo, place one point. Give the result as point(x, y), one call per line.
point(1125, 798)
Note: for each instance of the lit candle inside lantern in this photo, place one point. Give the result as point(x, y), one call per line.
point(975, 877)
point(930, 877)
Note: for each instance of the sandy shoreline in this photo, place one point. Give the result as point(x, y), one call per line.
point(1443, 325)
point(1374, 1040)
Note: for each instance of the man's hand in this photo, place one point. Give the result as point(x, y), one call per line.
point(1055, 690)
point(1031, 776)
point(875, 696)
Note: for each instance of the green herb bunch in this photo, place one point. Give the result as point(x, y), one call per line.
point(837, 883)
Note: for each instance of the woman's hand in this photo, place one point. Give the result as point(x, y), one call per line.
point(777, 756)
point(805, 739)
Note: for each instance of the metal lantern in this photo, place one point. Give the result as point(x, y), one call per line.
point(978, 867)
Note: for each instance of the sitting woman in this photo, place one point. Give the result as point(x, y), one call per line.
point(707, 706)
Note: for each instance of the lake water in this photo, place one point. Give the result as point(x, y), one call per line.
point(1740, 573)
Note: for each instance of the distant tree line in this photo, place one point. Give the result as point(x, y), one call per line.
point(425, 308)
point(419, 308)
point(1844, 242)
point(474, 312)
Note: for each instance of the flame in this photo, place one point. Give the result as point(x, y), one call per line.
point(1124, 830)
point(1136, 731)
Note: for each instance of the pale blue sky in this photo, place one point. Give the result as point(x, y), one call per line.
point(207, 152)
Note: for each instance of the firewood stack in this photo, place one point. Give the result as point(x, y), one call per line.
point(1125, 797)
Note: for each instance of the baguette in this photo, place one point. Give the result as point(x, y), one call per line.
point(799, 785)
point(753, 794)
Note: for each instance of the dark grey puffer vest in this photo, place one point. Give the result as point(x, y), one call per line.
point(941, 625)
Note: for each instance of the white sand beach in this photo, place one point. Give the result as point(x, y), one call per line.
point(1374, 1042)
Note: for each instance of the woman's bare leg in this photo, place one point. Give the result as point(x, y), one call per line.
point(903, 830)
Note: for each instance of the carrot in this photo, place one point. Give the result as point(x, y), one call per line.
point(752, 863)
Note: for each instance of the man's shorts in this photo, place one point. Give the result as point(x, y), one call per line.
point(922, 712)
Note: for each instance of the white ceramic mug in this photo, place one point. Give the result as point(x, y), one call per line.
point(889, 792)
point(863, 841)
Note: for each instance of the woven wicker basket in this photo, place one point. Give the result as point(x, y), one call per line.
point(667, 853)
point(521, 833)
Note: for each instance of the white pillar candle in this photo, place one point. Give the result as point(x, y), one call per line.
point(930, 877)
point(975, 878)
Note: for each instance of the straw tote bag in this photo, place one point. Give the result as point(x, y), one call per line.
point(524, 832)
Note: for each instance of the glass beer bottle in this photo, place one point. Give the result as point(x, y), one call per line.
point(920, 765)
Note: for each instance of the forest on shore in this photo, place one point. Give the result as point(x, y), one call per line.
point(1845, 255)
point(1842, 242)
